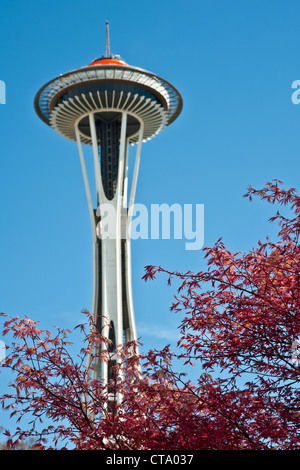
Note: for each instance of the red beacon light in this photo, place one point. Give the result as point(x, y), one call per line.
point(112, 60)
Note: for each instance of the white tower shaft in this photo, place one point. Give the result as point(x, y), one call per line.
point(112, 250)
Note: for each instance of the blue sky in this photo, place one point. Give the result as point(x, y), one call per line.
point(233, 62)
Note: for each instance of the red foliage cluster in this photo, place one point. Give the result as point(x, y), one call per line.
point(239, 324)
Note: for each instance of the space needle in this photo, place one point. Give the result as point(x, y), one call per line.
point(109, 105)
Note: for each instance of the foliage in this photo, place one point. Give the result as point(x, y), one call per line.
point(239, 325)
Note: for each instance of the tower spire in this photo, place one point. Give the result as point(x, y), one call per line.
point(107, 44)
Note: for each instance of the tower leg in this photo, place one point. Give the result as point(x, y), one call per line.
point(112, 294)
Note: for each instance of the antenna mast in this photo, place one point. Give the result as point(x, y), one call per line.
point(107, 45)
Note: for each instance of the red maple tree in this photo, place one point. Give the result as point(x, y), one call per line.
point(239, 326)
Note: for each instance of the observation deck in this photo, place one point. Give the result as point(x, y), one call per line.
point(108, 85)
